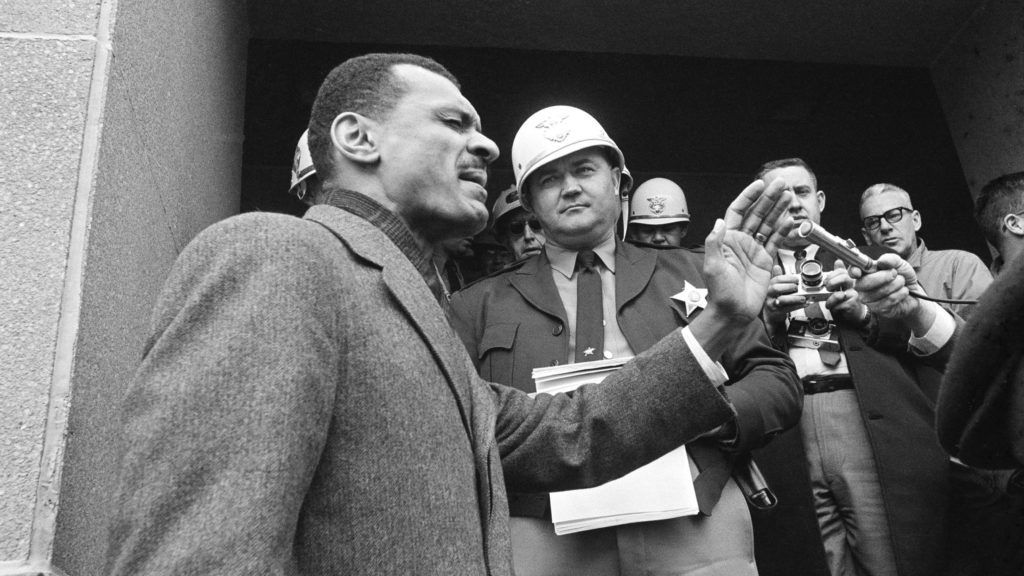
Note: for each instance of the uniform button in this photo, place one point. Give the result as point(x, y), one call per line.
point(554, 362)
point(607, 354)
point(558, 330)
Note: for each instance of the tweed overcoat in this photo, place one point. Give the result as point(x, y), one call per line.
point(303, 407)
point(515, 321)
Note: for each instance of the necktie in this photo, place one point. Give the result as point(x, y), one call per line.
point(589, 308)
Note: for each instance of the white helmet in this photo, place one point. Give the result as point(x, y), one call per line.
point(507, 201)
point(658, 201)
point(555, 132)
point(302, 166)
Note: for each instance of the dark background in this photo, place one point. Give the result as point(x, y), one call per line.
point(705, 123)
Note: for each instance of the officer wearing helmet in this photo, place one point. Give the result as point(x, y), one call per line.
point(658, 214)
point(514, 227)
point(305, 183)
point(590, 296)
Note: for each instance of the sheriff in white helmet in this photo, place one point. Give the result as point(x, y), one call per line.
point(565, 151)
point(658, 214)
point(590, 296)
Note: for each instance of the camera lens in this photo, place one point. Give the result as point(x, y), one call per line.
point(810, 273)
point(817, 326)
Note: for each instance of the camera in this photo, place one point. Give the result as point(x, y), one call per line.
point(812, 281)
point(816, 333)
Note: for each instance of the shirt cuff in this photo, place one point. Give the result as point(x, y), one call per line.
point(714, 370)
point(718, 376)
point(938, 333)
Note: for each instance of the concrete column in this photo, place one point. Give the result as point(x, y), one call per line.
point(980, 81)
point(120, 139)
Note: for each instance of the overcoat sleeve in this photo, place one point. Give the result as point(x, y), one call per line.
point(229, 411)
point(655, 403)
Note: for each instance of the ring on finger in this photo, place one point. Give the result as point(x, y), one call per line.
point(761, 238)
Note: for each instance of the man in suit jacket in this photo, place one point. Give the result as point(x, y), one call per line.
point(878, 477)
point(303, 406)
point(567, 172)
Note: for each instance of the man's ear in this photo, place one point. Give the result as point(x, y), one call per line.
point(617, 176)
point(917, 220)
point(1014, 224)
point(821, 200)
point(354, 136)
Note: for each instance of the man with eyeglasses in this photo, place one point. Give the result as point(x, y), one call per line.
point(590, 296)
point(516, 229)
point(874, 470)
point(889, 219)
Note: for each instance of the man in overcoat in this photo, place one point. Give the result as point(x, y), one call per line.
point(303, 406)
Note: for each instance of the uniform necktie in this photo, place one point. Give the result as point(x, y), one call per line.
point(589, 308)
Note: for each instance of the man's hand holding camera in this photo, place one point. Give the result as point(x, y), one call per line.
point(790, 292)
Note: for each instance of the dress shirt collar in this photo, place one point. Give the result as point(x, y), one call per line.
point(563, 260)
point(788, 257)
point(916, 258)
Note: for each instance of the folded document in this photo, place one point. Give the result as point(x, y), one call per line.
point(661, 489)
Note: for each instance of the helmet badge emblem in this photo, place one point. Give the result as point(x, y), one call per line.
point(657, 204)
point(554, 128)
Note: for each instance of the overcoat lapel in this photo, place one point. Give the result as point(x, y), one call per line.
point(410, 291)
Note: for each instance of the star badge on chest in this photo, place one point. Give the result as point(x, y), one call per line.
point(692, 297)
point(589, 351)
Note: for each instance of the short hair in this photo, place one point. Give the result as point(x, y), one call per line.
point(882, 188)
point(785, 163)
point(1002, 196)
point(366, 85)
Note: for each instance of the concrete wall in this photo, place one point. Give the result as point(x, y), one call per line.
point(980, 82)
point(48, 49)
point(120, 139)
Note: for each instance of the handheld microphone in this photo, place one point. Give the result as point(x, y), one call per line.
point(846, 250)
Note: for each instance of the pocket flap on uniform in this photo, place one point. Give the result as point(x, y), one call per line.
point(497, 336)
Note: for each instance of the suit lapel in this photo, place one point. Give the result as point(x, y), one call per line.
point(533, 280)
point(633, 270)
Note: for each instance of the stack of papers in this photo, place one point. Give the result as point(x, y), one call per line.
point(661, 489)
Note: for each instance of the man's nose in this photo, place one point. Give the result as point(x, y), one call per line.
point(571, 184)
point(484, 147)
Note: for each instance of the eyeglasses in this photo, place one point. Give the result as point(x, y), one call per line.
point(891, 216)
point(519, 226)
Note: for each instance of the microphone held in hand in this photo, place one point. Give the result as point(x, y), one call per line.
point(846, 250)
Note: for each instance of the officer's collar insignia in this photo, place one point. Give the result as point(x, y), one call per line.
point(692, 297)
point(657, 204)
point(553, 128)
